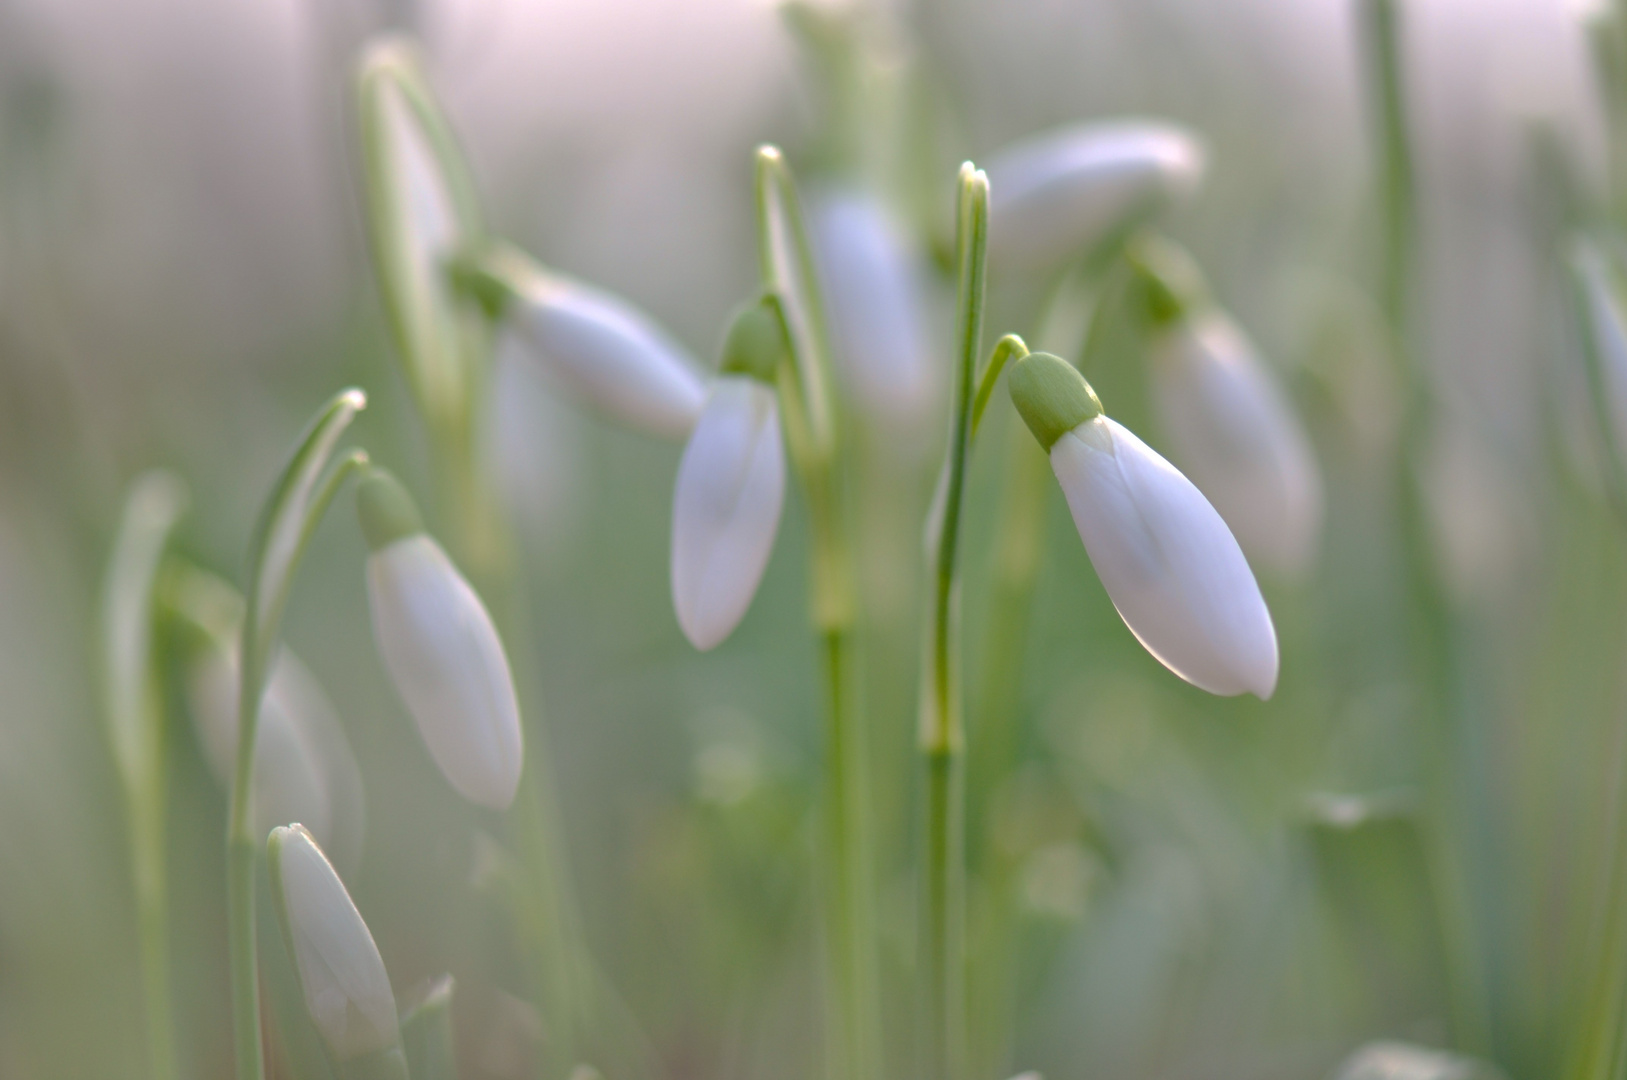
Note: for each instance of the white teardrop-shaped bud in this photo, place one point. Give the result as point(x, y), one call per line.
point(601, 347)
point(1059, 194)
point(726, 508)
point(874, 296)
point(303, 766)
point(1232, 430)
point(347, 991)
point(1171, 567)
point(441, 649)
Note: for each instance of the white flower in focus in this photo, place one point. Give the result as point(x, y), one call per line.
point(303, 766)
point(1234, 433)
point(1057, 195)
point(731, 483)
point(726, 508)
point(347, 991)
point(604, 349)
point(875, 296)
point(1165, 557)
point(441, 649)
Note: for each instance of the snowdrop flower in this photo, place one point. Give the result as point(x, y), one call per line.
point(874, 295)
point(600, 346)
point(731, 484)
point(440, 648)
point(1060, 194)
point(1167, 560)
point(303, 766)
point(347, 991)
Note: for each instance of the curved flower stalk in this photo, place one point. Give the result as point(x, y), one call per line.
point(1230, 427)
point(304, 769)
point(1062, 194)
point(347, 991)
point(421, 210)
point(1167, 560)
point(604, 349)
point(440, 648)
point(731, 483)
point(874, 296)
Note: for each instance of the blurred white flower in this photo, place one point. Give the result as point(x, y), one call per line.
point(441, 650)
point(1234, 433)
point(726, 508)
point(1607, 335)
point(1058, 194)
point(603, 348)
point(874, 295)
point(347, 990)
point(303, 766)
point(534, 449)
point(1167, 560)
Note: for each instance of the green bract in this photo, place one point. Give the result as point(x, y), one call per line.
point(1052, 397)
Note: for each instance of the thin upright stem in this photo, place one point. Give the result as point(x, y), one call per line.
point(942, 734)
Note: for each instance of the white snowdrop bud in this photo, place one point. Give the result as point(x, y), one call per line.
point(1165, 557)
point(1231, 429)
point(731, 484)
point(875, 297)
point(440, 648)
point(601, 347)
point(347, 991)
point(1059, 194)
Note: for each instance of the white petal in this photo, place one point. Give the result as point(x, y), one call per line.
point(726, 508)
point(1054, 196)
point(346, 987)
point(874, 294)
point(447, 662)
point(610, 353)
point(1167, 560)
point(1233, 432)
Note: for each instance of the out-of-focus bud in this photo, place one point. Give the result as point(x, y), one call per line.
point(874, 295)
point(1061, 194)
point(1165, 557)
point(440, 648)
point(600, 346)
point(347, 991)
point(731, 484)
point(421, 211)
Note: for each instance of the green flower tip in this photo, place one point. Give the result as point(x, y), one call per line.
point(1052, 397)
point(1171, 285)
point(387, 512)
point(757, 341)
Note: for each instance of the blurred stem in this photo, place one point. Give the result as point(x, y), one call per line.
point(942, 734)
point(853, 1023)
point(133, 710)
point(1380, 25)
point(287, 521)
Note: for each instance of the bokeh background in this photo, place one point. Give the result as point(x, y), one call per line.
point(1210, 888)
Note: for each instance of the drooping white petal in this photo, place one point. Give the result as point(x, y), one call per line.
point(1167, 560)
point(347, 990)
point(446, 660)
point(1058, 194)
point(726, 508)
point(303, 767)
point(610, 353)
point(874, 295)
point(1233, 432)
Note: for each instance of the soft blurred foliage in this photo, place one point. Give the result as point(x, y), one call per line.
point(1204, 887)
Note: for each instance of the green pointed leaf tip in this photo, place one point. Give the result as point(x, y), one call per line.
point(1170, 283)
point(386, 511)
point(1052, 397)
point(757, 343)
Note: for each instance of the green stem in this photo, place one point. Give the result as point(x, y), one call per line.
point(942, 734)
point(291, 513)
point(853, 1026)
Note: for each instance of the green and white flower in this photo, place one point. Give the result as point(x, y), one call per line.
point(440, 648)
point(1165, 557)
